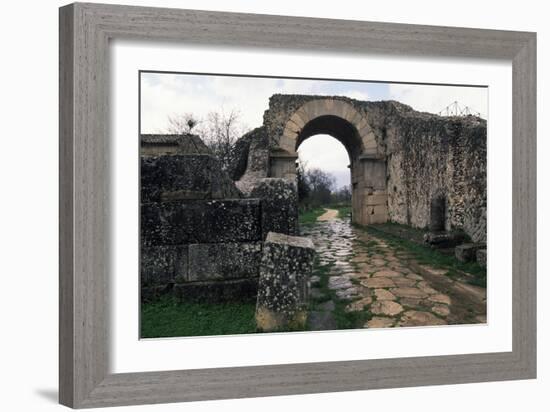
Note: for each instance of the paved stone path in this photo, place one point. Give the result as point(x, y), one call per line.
point(384, 283)
point(328, 215)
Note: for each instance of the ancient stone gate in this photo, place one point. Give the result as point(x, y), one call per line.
point(400, 159)
point(203, 228)
point(341, 120)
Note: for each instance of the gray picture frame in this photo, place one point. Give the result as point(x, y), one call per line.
point(85, 32)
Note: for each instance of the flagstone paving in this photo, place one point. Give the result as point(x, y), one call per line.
point(367, 275)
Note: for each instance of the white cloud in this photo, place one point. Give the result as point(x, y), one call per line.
point(163, 95)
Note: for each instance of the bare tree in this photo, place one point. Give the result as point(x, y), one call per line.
point(219, 130)
point(182, 123)
point(319, 186)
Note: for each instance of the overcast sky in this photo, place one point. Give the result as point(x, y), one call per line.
point(164, 94)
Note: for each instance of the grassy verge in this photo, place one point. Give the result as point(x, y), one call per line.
point(426, 255)
point(343, 210)
point(309, 217)
point(167, 318)
point(344, 319)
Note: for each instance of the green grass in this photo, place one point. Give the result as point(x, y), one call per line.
point(167, 318)
point(426, 255)
point(309, 217)
point(344, 320)
point(343, 210)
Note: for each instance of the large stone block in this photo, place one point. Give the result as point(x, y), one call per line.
point(184, 177)
point(467, 251)
point(279, 199)
point(162, 265)
point(283, 288)
point(234, 290)
point(217, 261)
point(376, 199)
point(202, 221)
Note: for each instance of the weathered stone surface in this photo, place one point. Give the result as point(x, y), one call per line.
point(434, 271)
point(426, 155)
point(339, 282)
point(420, 318)
point(216, 261)
point(406, 292)
point(378, 283)
point(441, 310)
point(241, 153)
point(204, 221)
point(234, 290)
point(467, 251)
point(411, 302)
point(358, 305)
point(444, 239)
point(162, 265)
point(184, 177)
point(279, 202)
point(386, 273)
point(403, 282)
point(383, 294)
point(283, 292)
point(386, 307)
point(481, 257)
point(347, 294)
point(380, 322)
point(440, 298)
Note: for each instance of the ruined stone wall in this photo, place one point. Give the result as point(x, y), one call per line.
point(430, 156)
point(201, 237)
point(425, 155)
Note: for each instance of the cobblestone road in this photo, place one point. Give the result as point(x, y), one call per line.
point(384, 283)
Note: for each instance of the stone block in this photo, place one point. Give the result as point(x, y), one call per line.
point(234, 290)
point(201, 221)
point(279, 200)
point(467, 251)
point(375, 200)
point(481, 257)
point(185, 177)
point(283, 289)
point(376, 218)
point(218, 261)
point(444, 239)
point(162, 265)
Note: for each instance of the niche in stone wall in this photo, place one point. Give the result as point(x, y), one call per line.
point(438, 213)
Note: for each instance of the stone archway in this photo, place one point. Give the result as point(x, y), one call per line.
point(341, 120)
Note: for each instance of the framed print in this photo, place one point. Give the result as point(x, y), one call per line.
point(243, 196)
